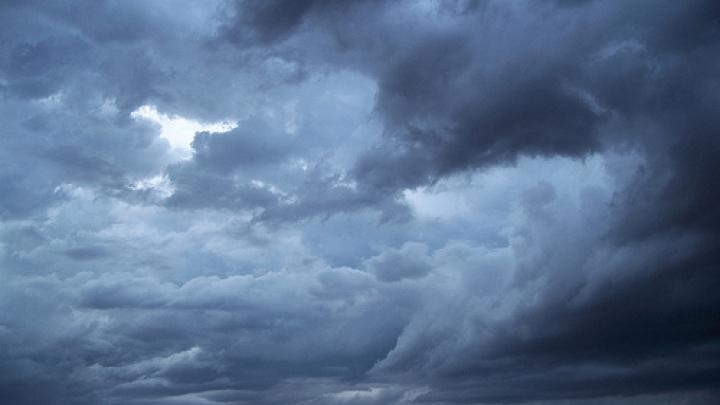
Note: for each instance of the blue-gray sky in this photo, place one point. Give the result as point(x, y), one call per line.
point(359, 202)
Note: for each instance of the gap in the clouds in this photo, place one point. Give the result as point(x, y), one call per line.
point(179, 131)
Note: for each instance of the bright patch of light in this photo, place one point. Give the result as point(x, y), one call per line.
point(179, 131)
point(158, 184)
point(446, 204)
point(273, 189)
point(52, 101)
point(354, 395)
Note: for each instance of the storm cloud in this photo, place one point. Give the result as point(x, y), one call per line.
point(360, 202)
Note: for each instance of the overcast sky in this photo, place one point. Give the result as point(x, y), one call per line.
point(359, 202)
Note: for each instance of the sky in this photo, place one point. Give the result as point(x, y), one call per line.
point(359, 202)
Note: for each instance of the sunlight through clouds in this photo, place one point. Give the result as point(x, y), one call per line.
point(180, 131)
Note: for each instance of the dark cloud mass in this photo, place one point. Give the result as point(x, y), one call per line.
point(360, 202)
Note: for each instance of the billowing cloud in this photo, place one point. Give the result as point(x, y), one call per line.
point(374, 202)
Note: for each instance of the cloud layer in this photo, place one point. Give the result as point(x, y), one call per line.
point(412, 202)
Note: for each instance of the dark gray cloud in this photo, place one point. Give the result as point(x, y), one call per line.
point(419, 202)
point(262, 23)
